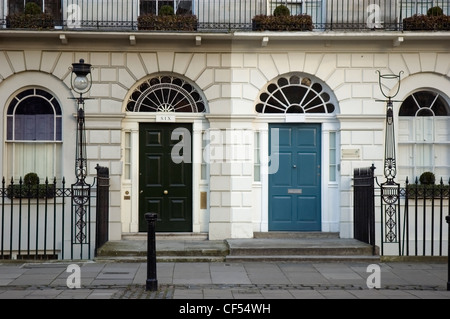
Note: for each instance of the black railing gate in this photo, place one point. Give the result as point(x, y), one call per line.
point(364, 205)
point(102, 210)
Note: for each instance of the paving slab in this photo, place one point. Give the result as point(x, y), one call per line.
point(229, 274)
point(192, 273)
point(224, 280)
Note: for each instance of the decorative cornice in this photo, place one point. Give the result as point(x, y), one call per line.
point(64, 37)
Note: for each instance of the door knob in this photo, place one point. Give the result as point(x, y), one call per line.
point(141, 192)
point(166, 192)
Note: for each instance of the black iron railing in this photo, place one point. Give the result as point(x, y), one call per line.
point(41, 221)
point(424, 227)
point(413, 224)
point(34, 220)
point(228, 15)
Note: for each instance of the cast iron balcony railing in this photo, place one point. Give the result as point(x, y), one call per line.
point(229, 15)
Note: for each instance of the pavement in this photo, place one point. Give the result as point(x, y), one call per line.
point(224, 280)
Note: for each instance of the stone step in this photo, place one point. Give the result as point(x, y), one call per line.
point(298, 247)
point(143, 259)
point(166, 236)
point(294, 235)
point(277, 246)
point(305, 258)
point(278, 258)
point(136, 248)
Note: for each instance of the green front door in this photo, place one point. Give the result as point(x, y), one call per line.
point(165, 186)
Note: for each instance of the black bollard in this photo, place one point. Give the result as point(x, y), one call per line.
point(447, 218)
point(152, 282)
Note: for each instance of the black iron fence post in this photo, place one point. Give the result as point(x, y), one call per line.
point(447, 218)
point(152, 282)
point(102, 207)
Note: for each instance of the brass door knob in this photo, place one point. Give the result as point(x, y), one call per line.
point(166, 192)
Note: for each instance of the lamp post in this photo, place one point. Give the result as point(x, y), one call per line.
point(390, 190)
point(81, 83)
point(390, 164)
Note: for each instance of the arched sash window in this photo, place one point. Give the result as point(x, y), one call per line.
point(34, 134)
point(424, 130)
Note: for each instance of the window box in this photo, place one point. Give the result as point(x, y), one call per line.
point(29, 187)
point(420, 22)
point(43, 21)
point(301, 22)
point(427, 191)
point(32, 17)
point(152, 22)
point(31, 191)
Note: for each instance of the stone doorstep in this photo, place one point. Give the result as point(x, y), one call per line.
point(317, 251)
point(161, 259)
point(273, 247)
point(167, 236)
point(293, 235)
point(299, 247)
point(305, 258)
point(174, 248)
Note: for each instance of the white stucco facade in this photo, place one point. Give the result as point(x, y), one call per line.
point(231, 71)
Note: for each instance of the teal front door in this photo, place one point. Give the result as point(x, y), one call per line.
point(295, 188)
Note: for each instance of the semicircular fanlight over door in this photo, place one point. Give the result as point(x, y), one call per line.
point(295, 94)
point(166, 93)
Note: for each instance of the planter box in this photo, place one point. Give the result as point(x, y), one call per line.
point(426, 23)
point(33, 191)
point(153, 22)
point(427, 191)
point(302, 22)
point(42, 21)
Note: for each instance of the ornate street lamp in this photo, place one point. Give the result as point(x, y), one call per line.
point(81, 83)
point(390, 190)
point(390, 163)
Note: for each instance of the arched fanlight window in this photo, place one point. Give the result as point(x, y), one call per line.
point(295, 94)
point(34, 115)
point(424, 103)
point(166, 94)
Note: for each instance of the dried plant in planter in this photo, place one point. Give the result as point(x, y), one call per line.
point(166, 20)
point(29, 187)
point(434, 20)
point(301, 22)
point(31, 18)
